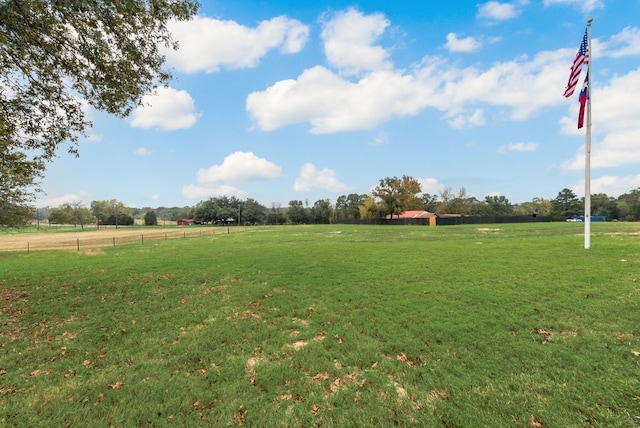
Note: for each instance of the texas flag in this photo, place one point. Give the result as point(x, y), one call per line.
point(584, 96)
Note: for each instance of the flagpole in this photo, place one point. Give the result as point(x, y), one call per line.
point(587, 148)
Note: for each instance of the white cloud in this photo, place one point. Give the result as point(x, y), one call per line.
point(584, 5)
point(430, 186)
point(467, 44)
point(93, 138)
point(312, 178)
point(615, 134)
point(380, 139)
point(474, 119)
point(240, 167)
point(168, 109)
point(155, 197)
point(331, 103)
point(142, 151)
point(625, 43)
point(613, 186)
point(497, 11)
point(192, 191)
point(348, 42)
point(518, 147)
point(208, 44)
point(67, 198)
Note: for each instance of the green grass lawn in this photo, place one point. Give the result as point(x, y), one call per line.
point(332, 326)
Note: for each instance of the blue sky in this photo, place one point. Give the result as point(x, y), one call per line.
point(279, 101)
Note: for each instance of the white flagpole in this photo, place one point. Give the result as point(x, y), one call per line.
point(587, 148)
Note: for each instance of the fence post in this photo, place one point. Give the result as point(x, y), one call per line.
point(114, 241)
point(78, 243)
point(142, 238)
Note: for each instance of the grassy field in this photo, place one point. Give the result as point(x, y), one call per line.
point(332, 326)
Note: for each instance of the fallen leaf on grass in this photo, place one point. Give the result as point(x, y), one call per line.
point(39, 372)
point(535, 423)
point(315, 409)
point(86, 363)
point(636, 353)
point(116, 385)
point(240, 413)
point(298, 344)
point(403, 359)
point(3, 371)
point(544, 334)
point(435, 393)
point(320, 377)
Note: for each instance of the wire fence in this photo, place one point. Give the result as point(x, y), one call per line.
point(88, 239)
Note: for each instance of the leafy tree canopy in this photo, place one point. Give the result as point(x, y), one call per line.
point(57, 57)
point(399, 194)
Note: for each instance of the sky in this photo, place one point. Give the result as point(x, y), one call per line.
point(278, 100)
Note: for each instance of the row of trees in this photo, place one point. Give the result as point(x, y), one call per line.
point(391, 197)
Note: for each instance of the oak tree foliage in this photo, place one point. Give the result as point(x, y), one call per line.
point(398, 194)
point(59, 56)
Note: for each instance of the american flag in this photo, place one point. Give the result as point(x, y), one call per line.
point(582, 58)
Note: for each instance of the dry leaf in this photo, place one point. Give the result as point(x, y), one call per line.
point(39, 372)
point(403, 359)
point(86, 363)
point(239, 416)
point(535, 423)
point(116, 385)
point(315, 409)
point(320, 377)
point(636, 353)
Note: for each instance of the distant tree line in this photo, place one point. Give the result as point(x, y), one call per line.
point(391, 197)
